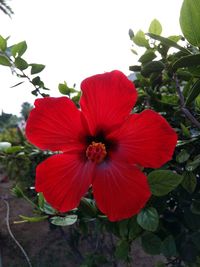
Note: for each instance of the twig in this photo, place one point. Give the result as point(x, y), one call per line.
point(186, 112)
point(11, 234)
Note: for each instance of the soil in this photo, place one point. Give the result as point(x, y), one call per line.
point(45, 246)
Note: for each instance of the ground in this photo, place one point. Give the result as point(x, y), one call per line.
point(46, 247)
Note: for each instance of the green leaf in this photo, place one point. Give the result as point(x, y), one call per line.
point(183, 156)
point(4, 61)
point(140, 40)
point(151, 67)
point(193, 93)
point(46, 208)
point(168, 42)
point(151, 243)
point(185, 131)
point(36, 68)
point(87, 206)
point(175, 38)
point(197, 103)
point(196, 239)
point(195, 206)
point(122, 250)
point(20, 63)
point(135, 68)
point(13, 149)
point(64, 221)
point(168, 247)
point(187, 61)
point(148, 56)
point(155, 27)
point(3, 44)
point(148, 219)
point(64, 89)
point(33, 219)
point(163, 181)
point(192, 165)
point(19, 49)
point(190, 21)
point(189, 182)
point(134, 228)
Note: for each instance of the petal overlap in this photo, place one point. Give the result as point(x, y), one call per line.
point(121, 190)
point(107, 100)
point(56, 124)
point(146, 139)
point(64, 179)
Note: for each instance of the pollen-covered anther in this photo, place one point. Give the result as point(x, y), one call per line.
point(96, 152)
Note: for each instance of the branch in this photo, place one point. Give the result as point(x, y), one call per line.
point(11, 234)
point(186, 112)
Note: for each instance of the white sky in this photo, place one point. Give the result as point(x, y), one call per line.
point(77, 38)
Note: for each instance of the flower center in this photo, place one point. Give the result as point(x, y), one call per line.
point(96, 152)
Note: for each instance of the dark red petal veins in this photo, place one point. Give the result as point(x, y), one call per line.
point(64, 179)
point(106, 100)
point(55, 124)
point(120, 190)
point(146, 139)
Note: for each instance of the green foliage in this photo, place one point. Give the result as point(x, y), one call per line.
point(190, 21)
point(163, 181)
point(148, 219)
point(155, 27)
point(167, 81)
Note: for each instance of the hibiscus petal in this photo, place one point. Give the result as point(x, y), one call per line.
point(146, 139)
point(120, 190)
point(55, 124)
point(64, 179)
point(106, 100)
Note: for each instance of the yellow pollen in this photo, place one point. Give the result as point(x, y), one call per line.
point(96, 152)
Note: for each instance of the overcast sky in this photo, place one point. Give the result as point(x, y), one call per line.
point(77, 38)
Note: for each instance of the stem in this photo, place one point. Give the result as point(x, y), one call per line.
point(186, 112)
point(12, 236)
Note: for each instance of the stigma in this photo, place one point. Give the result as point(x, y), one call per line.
point(96, 152)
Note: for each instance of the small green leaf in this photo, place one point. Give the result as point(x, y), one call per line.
point(148, 219)
point(87, 206)
point(163, 181)
point(140, 40)
point(183, 156)
point(46, 208)
point(148, 56)
point(33, 219)
point(168, 42)
point(135, 68)
point(36, 68)
point(151, 67)
point(192, 165)
point(155, 27)
point(193, 92)
point(185, 131)
point(151, 243)
point(168, 247)
point(175, 38)
point(190, 21)
point(195, 206)
point(19, 49)
point(3, 44)
point(14, 149)
point(134, 228)
point(187, 61)
point(64, 89)
point(189, 182)
point(20, 63)
point(122, 250)
point(64, 221)
point(4, 61)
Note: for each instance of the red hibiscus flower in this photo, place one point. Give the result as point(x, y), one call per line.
point(102, 144)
